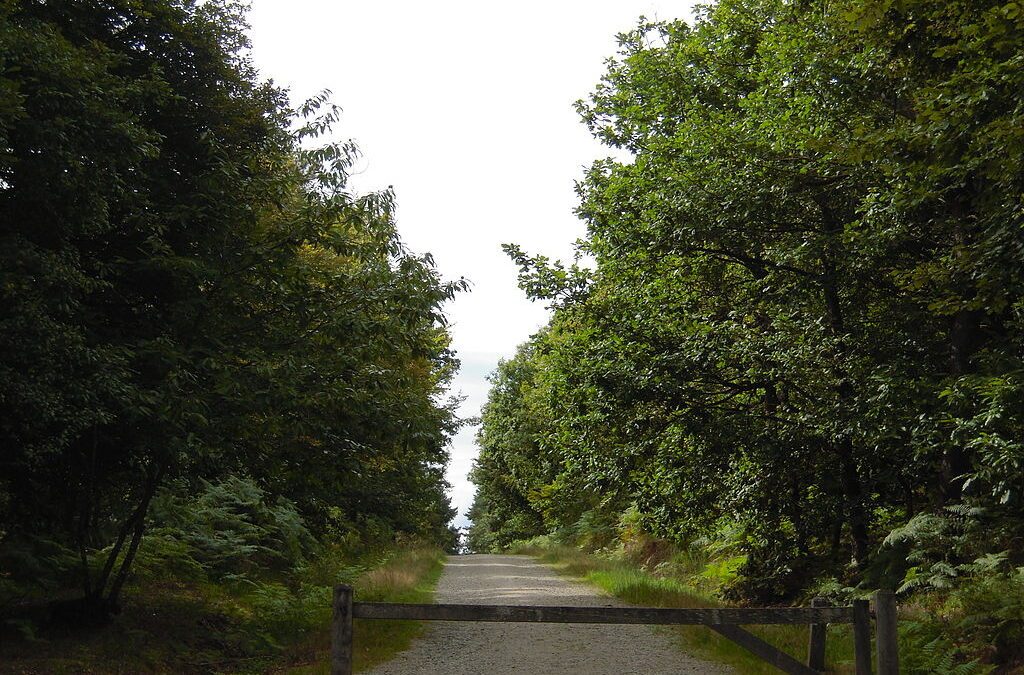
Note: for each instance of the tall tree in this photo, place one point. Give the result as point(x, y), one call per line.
point(806, 303)
point(190, 289)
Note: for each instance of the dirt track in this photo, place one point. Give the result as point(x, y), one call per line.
point(457, 648)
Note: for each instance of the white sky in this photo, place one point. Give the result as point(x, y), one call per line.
point(466, 108)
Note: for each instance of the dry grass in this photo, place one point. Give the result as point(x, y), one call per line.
point(401, 576)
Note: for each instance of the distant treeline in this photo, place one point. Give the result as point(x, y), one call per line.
point(195, 309)
point(802, 331)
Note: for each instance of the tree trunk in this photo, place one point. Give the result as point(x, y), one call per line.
point(849, 474)
point(856, 514)
point(129, 557)
point(135, 524)
point(965, 339)
point(108, 565)
point(836, 539)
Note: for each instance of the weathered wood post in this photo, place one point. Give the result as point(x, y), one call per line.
point(816, 641)
point(862, 637)
point(341, 631)
point(887, 650)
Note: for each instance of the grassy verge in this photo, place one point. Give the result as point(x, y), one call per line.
point(408, 577)
point(625, 581)
point(242, 625)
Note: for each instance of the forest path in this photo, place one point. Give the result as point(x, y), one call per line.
point(468, 648)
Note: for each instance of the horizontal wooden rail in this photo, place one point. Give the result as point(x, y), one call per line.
point(621, 615)
point(724, 620)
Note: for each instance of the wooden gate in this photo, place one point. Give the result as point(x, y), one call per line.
point(726, 621)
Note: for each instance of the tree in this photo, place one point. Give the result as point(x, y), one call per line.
point(785, 327)
point(190, 291)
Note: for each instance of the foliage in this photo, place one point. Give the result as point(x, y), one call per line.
point(924, 650)
point(33, 566)
point(508, 511)
point(990, 612)
point(229, 527)
point(267, 623)
point(189, 294)
point(803, 318)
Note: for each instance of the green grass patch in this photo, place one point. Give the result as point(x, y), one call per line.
point(636, 586)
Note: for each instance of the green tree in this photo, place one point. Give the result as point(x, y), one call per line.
point(190, 291)
point(804, 315)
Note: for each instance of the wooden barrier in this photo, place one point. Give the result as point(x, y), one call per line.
point(725, 621)
point(862, 637)
point(816, 640)
point(341, 631)
point(886, 651)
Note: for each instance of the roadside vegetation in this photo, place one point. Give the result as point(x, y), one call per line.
point(672, 583)
point(947, 633)
point(225, 602)
point(793, 357)
point(223, 376)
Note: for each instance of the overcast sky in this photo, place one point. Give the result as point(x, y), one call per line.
point(466, 108)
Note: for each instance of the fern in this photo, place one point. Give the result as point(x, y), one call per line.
point(230, 527)
point(941, 660)
point(938, 549)
point(927, 650)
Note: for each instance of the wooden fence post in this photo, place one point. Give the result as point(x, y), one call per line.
point(887, 651)
point(341, 631)
point(862, 637)
point(816, 641)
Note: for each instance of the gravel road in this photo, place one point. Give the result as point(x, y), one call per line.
point(465, 648)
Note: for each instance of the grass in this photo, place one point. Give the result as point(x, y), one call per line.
point(255, 626)
point(408, 577)
point(636, 586)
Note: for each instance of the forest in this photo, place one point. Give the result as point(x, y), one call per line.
point(787, 361)
point(223, 376)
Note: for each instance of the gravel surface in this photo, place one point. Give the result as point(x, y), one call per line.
point(467, 648)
